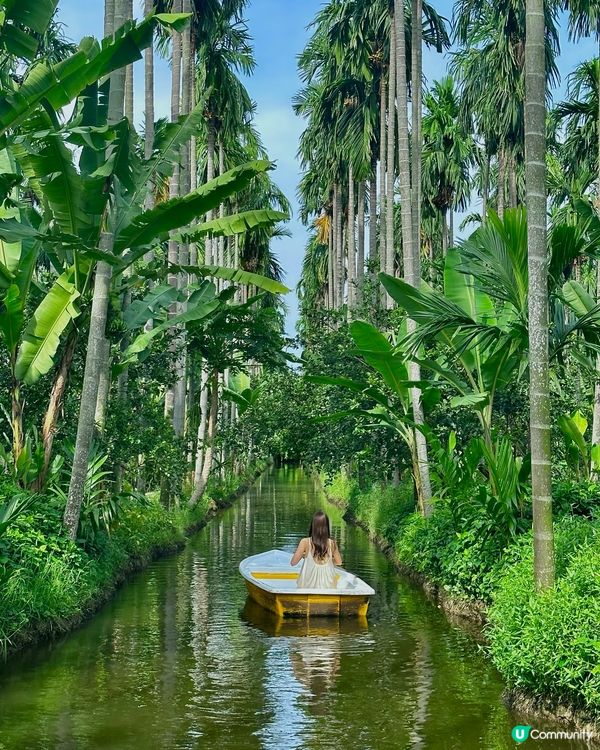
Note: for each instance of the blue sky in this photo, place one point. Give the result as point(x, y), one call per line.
point(279, 31)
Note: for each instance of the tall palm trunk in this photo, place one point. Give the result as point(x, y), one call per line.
point(128, 106)
point(173, 249)
point(149, 121)
point(201, 474)
point(360, 252)
point(336, 255)
point(179, 400)
point(330, 269)
point(98, 316)
point(512, 180)
point(210, 173)
point(411, 255)
point(373, 222)
point(485, 188)
point(351, 243)
point(123, 377)
point(501, 181)
point(383, 95)
point(387, 266)
point(416, 89)
point(539, 392)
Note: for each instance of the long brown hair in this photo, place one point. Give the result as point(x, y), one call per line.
point(319, 534)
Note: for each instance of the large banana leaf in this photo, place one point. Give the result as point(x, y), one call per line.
point(237, 276)
point(61, 83)
point(10, 247)
point(142, 310)
point(20, 19)
point(46, 159)
point(167, 146)
point(143, 341)
point(11, 317)
point(42, 335)
point(228, 226)
point(151, 226)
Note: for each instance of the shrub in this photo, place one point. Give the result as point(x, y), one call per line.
point(548, 644)
point(576, 497)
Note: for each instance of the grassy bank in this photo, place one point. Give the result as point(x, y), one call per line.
point(547, 646)
point(49, 584)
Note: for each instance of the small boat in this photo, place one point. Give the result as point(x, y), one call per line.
point(272, 582)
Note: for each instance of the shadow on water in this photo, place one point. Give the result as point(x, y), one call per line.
point(180, 659)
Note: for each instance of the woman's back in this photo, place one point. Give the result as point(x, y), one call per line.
point(317, 573)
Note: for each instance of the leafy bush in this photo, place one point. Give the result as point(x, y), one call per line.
point(461, 560)
point(549, 644)
point(576, 497)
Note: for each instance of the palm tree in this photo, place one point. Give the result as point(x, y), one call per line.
point(95, 356)
point(489, 69)
point(539, 395)
point(448, 154)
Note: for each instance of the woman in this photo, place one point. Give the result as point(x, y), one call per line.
point(320, 554)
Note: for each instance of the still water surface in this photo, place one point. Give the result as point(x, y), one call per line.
point(180, 660)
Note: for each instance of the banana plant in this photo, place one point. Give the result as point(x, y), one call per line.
point(75, 170)
point(240, 392)
point(392, 407)
point(581, 455)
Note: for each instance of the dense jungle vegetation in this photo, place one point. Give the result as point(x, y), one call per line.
point(445, 384)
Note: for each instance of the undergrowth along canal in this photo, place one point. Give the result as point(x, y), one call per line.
point(180, 659)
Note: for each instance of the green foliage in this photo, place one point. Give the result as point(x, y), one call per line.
point(548, 643)
point(45, 578)
point(576, 497)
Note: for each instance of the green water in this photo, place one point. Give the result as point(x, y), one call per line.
point(179, 660)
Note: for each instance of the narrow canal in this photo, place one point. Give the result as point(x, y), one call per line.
point(180, 660)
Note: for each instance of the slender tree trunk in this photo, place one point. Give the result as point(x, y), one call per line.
point(173, 249)
point(210, 173)
point(103, 387)
point(539, 395)
point(221, 240)
point(98, 316)
point(123, 377)
point(351, 243)
point(129, 74)
point(512, 180)
point(201, 479)
point(501, 181)
point(412, 259)
point(55, 403)
point(337, 259)
point(360, 254)
point(373, 218)
point(390, 249)
point(444, 232)
point(450, 227)
point(179, 399)
point(485, 188)
point(383, 96)
point(149, 123)
point(416, 89)
point(330, 270)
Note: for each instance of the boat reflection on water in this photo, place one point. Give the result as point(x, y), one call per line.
point(271, 624)
point(312, 647)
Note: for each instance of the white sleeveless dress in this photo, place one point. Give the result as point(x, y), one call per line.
point(316, 574)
